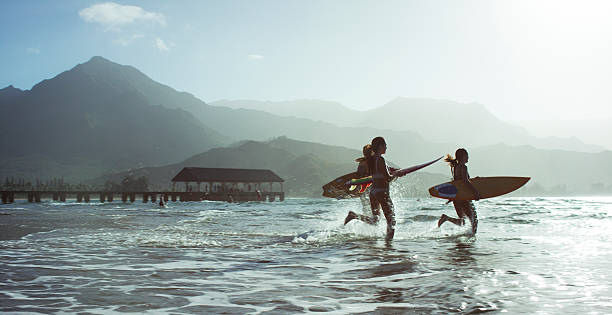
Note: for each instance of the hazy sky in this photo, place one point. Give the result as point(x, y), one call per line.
point(524, 60)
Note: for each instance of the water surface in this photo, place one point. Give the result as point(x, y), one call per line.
point(546, 255)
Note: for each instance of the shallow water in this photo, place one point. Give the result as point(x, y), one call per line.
point(546, 255)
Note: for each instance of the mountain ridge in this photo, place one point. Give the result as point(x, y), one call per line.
point(95, 116)
point(435, 121)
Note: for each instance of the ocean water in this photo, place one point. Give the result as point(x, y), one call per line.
point(530, 255)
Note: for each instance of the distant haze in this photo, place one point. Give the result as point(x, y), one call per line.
point(590, 131)
point(524, 60)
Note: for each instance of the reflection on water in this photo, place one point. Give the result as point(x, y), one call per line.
point(548, 255)
point(460, 253)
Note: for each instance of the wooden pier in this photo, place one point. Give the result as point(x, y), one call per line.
point(9, 196)
point(215, 184)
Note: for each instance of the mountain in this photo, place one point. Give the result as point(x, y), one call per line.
point(9, 94)
point(591, 130)
point(260, 126)
point(241, 124)
point(442, 121)
point(316, 110)
point(464, 123)
point(576, 171)
point(93, 117)
point(109, 115)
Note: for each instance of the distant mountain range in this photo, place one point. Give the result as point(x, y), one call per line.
point(439, 121)
point(104, 118)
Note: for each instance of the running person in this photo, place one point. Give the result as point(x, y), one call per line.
point(379, 191)
point(464, 208)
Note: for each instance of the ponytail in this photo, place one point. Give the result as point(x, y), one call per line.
point(451, 161)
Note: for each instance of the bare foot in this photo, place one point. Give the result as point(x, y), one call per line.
point(351, 215)
point(443, 219)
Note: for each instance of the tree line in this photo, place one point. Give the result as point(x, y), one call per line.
point(128, 183)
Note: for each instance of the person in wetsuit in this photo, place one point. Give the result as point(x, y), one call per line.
point(379, 191)
point(464, 208)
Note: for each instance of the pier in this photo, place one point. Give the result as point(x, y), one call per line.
point(214, 184)
point(9, 196)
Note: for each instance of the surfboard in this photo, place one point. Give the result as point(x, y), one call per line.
point(488, 187)
point(368, 179)
point(337, 188)
point(341, 188)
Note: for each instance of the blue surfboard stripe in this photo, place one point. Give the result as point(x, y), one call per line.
point(447, 190)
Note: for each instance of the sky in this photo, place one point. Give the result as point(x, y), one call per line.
point(524, 60)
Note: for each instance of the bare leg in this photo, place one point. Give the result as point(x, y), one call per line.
point(373, 220)
point(369, 220)
point(471, 213)
point(444, 218)
point(388, 210)
point(459, 208)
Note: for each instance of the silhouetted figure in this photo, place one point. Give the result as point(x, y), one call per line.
point(464, 208)
point(379, 191)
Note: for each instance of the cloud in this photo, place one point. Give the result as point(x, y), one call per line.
point(33, 51)
point(255, 57)
point(161, 45)
point(125, 41)
point(113, 16)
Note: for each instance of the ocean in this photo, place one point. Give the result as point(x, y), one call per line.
point(530, 255)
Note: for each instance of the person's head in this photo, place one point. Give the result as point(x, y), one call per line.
point(379, 146)
point(461, 157)
point(367, 153)
point(367, 150)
